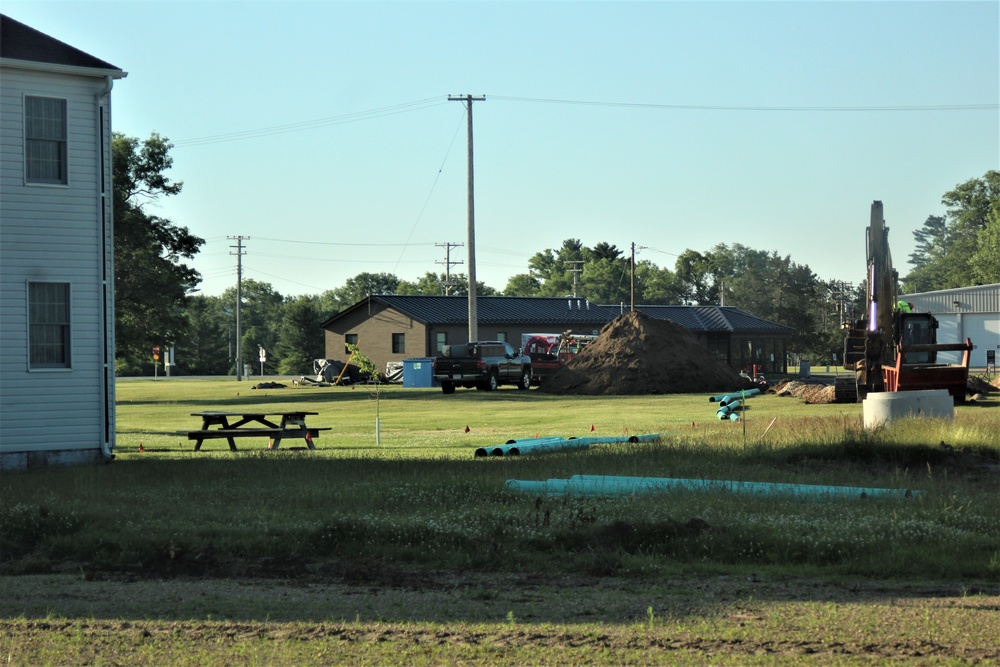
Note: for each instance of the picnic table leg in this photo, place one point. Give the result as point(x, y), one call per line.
point(205, 423)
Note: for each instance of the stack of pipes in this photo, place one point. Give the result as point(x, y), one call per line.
point(731, 404)
point(556, 443)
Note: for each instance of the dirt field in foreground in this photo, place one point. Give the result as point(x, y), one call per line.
point(722, 615)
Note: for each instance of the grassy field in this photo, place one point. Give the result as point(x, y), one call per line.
point(401, 546)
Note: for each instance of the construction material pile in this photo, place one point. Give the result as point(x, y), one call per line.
point(638, 355)
point(811, 391)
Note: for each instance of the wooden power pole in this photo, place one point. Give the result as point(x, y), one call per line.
point(473, 317)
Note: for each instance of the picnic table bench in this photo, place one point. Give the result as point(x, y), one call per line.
point(292, 424)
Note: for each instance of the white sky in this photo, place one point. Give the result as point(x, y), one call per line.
point(673, 125)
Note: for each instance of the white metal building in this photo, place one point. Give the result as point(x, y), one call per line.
point(57, 313)
point(964, 312)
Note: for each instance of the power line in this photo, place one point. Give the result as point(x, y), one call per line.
point(301, 126)
point(713, 107)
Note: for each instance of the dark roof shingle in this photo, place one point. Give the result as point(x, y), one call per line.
point(21, 42)
point(499, 310)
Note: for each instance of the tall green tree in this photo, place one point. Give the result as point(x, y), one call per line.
point(953, 257)
point(207, 346)
point(986, 259)
point(659, 286)
point(152, 282)
point(260, 315)
point(429, 284)
point(300, 336)
point(522, 284)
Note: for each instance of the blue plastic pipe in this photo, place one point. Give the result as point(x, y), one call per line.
point(736, 395)
point(554, 444)
point(599, 485)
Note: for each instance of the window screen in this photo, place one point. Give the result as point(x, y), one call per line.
point(44, 140)
point(48, 325)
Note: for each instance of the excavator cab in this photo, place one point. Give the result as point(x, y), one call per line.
point(916, 329)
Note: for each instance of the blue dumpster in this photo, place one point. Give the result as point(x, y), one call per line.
point(419, 372)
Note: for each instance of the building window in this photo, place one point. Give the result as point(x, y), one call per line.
point(48, 325)
point(502, 336)
point(44, 140)
point(440, 340)
point(350, 339)
point(398, 343)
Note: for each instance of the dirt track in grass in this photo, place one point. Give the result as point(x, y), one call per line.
point(706, 617)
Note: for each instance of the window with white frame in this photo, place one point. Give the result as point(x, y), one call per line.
point(45, 140)
point(440, 340)
point(48, 325)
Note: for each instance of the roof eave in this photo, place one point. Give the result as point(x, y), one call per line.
point(55, 68)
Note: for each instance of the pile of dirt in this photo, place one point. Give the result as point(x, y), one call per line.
point(977, 385)
point(810, 392)
point(637, 355)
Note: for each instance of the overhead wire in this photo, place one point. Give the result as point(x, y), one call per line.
point(301, 126)
point(437, 177)
point(717, 107)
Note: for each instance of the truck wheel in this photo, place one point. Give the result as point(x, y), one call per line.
point(493, 382)
point(447, 388)
point(525, 381)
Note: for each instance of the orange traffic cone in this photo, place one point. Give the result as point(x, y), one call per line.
point(591, 428)
point(467, 429)
point(309, 438)
point(141, 448)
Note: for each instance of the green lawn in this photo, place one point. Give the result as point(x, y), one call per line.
point(364, 551)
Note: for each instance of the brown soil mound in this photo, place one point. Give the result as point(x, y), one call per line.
point(809, 392)
point(636, 355)
point(977, 385)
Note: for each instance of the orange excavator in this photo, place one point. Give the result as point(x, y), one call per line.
point(892, 348)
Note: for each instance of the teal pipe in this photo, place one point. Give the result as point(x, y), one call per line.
point(600, 485)
point(751, 488)
point(727, 398)
point(548, 487)
point(576, 443)
point(554, 444)
point(504, 450)
point(489, 451)
point(528, 441)
point(724, 415)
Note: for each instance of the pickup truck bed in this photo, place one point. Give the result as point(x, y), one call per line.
point(485, 365)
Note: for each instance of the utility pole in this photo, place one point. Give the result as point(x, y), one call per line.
point(239, 299)
point(577, 269)
point(448, 284)
point(473, 318)
point(632, 278)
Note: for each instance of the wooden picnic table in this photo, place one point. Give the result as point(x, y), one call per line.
point(246, 424)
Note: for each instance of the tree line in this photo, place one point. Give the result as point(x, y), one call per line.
point(156, 303)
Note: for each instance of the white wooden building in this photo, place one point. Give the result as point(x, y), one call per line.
point(57, 396)
point(964, 312)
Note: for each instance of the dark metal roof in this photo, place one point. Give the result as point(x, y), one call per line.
point(21, 42)
point(715, 319)
point(499, 310)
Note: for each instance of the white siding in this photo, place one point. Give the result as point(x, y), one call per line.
point(984, 330)
point(977, 299)
point(949, 330)
point(964, 312)
point(54, 233)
